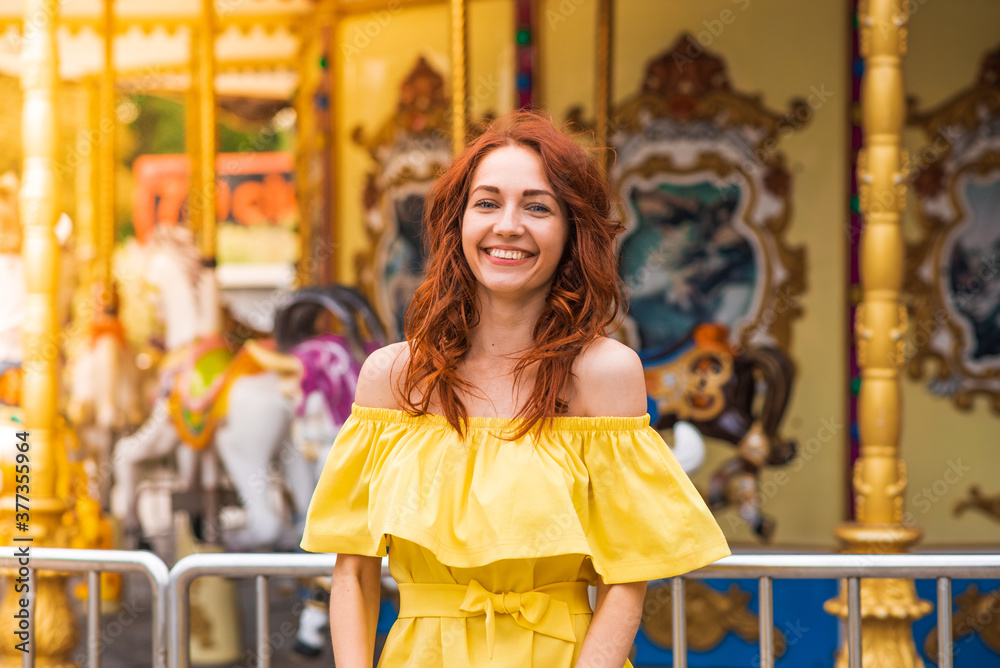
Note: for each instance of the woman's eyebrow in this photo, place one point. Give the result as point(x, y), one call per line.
point(532, 193)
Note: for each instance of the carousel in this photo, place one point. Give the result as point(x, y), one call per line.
point(181, 376)
point(102, 390)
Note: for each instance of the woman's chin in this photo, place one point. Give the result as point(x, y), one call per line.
point(509, 291)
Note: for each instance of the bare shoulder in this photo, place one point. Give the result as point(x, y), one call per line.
point(380, 375)
point(608, 380)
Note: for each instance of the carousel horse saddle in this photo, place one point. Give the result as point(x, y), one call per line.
point(197, 378)
point(324, 364)
point(330, 368)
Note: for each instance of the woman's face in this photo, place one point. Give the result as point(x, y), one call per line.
point(514, 229)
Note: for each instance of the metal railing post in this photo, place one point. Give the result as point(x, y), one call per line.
point(854, 622)
point(944, 622)
point(679, 623)
point(765, 616)
point(263, 623)
point(28, 658)
point(179, 631)
point(93, 618)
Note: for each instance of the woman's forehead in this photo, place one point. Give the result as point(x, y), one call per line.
point(512, 167)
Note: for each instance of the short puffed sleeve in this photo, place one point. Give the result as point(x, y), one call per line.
point(337, 520)
point(645, 519)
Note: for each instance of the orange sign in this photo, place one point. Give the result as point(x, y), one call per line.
point(252, 190)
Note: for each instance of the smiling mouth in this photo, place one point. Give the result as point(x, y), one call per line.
point(502, 254)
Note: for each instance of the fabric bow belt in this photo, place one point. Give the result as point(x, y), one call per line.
point(547, 610)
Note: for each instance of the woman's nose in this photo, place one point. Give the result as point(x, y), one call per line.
point(509, 223)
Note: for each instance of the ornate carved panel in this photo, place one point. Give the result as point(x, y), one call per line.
point(706, 202)
point(953, 276)
point(409, 150)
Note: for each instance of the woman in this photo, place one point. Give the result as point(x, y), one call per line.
point(502, 455)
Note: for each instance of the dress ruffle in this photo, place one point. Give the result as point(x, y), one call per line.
point(605, 487)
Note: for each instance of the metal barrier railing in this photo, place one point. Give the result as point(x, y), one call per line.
point(258, 566)
point(764, 568)
point(95, 562)
point(171, 620)
point(852, 567)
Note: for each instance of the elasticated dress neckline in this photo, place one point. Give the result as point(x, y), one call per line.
point(559, 423)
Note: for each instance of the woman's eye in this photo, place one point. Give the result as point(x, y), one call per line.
point(539, 208)
point(486, 204)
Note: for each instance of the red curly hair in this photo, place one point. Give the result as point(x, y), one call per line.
point(585, 300)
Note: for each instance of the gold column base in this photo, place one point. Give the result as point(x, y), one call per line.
point(888, 606)
point(54, 625)
point(53, 629)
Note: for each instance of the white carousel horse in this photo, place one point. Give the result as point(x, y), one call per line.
point(105, 396)
point(211, 396)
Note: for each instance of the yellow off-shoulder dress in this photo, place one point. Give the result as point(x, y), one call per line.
point(494, 541)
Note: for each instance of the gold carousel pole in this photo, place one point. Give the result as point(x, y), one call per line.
point(208, 135)
point(54, 631)
point(41, 251)
point(202, 196)
point(192, 130)
point(328, 19)
point(605, 49)
point(459, 73)
point(888, 607)
point(105, 232)
point(304, 152)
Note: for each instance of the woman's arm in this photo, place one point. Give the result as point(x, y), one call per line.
point(610, 381)
point(355, 591)
point(354, 602)
point(612, 631)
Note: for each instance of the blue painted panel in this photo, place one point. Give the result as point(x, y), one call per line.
point(811, 634)
point(386, 616)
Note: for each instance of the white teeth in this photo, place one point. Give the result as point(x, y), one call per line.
point(506, 254)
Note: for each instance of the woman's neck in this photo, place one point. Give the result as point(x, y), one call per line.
point(506, 327)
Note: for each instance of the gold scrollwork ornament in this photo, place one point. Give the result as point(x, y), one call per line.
point(710, 615)
point(977, 614)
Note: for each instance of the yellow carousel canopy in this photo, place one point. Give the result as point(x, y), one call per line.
point(256, 48)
